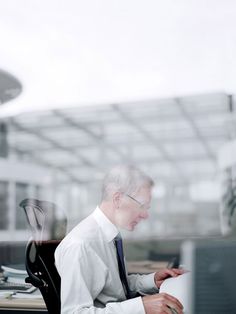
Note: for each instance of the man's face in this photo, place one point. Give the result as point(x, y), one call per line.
point(133, 208)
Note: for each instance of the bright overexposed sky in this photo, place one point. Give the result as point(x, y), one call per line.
point(76, 52)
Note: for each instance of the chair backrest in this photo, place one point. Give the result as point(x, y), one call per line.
point(39, 258)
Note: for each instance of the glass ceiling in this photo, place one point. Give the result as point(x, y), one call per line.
point(175, 140)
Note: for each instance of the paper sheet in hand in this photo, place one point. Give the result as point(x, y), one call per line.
point(178, 287)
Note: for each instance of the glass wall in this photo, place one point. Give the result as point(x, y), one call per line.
point(4, 205)
point(22, 192)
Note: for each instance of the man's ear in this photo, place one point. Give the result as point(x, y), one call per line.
point(116, 198)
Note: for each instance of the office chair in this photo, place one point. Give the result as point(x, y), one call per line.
point(39, 255)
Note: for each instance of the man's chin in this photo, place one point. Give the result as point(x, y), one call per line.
point(132, 226)
point(129, 228)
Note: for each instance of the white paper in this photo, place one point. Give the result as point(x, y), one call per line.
point(5, 294)
point(27, 296)
point(178, 288)
point(15, 271)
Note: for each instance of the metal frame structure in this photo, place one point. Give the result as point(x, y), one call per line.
point(175, 139)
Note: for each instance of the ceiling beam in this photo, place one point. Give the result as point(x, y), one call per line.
point(97, 138)
point(35, 157)
point(139, 141)
point(196, 130)
point(144, 117)
point(52, 142)
point(148, 136)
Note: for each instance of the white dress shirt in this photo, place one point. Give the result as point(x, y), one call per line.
point(87, 263)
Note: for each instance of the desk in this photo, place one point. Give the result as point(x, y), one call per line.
point(19, 306)
point(145, 267)
point(30, 306)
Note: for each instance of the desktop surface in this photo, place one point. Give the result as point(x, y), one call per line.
point(20, 302)
point(15, 305)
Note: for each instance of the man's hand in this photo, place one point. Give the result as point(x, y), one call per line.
point(161, 275)
point(161, 303)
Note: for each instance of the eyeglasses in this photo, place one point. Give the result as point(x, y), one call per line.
point(141, 205)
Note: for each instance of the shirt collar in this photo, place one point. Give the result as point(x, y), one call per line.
point(108, 228)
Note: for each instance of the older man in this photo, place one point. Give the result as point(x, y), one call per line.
point(90, 258)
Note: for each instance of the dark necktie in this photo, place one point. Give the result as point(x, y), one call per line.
point(121, 264)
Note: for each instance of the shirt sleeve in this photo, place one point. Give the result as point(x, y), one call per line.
point(143, 284)
point(81, 283)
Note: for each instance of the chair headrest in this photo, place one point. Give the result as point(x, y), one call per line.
point(43, 219)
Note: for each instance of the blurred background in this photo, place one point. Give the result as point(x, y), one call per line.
point(88, 85)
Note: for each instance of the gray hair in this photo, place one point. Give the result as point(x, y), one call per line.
point(125, 179)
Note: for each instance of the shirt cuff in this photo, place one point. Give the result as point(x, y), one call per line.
point(132, 306)
point(149, 283)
